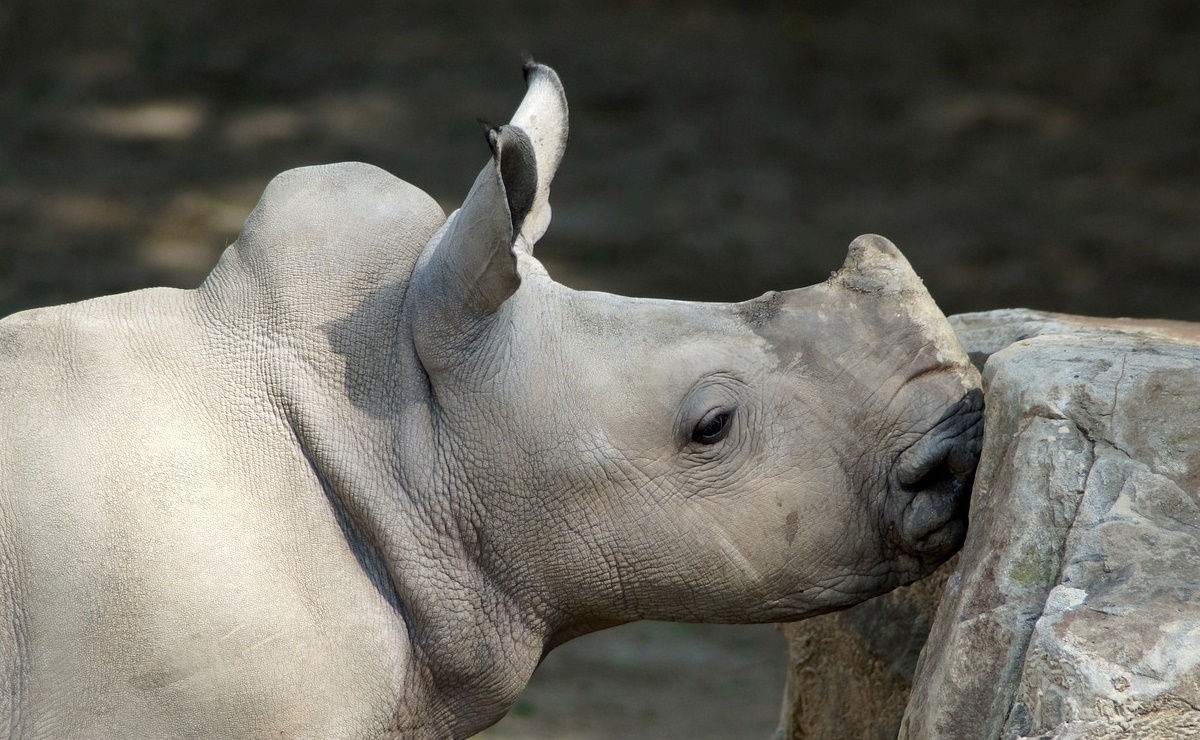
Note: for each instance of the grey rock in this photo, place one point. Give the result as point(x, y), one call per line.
point(851, 671)
point(1074, 612)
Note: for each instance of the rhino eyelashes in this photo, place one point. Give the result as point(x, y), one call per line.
point(714, 427)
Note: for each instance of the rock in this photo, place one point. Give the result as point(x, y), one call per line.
point(851, 671)
point(1075, 609)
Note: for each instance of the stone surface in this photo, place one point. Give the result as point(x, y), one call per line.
point(1073, 611)
point(850, 671)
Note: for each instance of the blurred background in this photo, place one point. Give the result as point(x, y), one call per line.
point(1033, 154)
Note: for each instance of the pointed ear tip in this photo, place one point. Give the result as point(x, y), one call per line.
point(528, 65)
point(536, 72)
point(491, 135)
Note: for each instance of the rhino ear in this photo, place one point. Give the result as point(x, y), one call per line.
point(472, 269)
point(543, 116)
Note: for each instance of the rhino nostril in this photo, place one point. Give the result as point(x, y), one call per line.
point(934, 478)
point(941, 476)
point(931, 462)
point(947, 466)
point(933, 521)
point(949, 451)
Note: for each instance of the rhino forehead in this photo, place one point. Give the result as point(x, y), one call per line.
point(615, 323)
point(623, 355)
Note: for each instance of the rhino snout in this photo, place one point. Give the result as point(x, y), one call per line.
point(935, 475)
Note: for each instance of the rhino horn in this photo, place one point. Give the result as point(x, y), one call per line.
point(875, 266)
point(542, 115)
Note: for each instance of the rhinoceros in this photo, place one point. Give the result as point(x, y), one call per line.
point(364, 477)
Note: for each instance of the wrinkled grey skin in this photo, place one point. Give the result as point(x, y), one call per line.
point(364, 477)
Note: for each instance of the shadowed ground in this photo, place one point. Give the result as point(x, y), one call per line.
point(1020, 154)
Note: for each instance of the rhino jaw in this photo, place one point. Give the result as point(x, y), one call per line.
point(934, 477)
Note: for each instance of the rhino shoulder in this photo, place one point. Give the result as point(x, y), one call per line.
point(324, 236)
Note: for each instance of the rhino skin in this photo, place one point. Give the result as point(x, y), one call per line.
point(365, 476)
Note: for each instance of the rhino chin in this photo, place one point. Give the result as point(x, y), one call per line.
point(935, 475)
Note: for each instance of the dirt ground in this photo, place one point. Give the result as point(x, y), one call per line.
point(1020, 154)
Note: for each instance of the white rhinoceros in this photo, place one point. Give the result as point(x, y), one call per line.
point(363, 478)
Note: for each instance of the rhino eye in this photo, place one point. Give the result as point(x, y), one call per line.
point(713, 427)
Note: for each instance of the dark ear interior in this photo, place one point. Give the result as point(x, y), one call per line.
point(513, 151)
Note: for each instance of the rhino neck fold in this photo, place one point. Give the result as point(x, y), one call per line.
point(473, 644)
point(368, 438)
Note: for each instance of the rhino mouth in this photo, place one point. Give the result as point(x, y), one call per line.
point(935, 475)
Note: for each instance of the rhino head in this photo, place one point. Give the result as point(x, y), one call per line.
point(625, 458)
